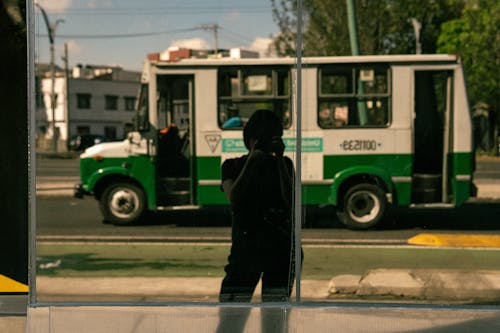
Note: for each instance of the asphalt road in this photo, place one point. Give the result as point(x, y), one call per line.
point(75, 217)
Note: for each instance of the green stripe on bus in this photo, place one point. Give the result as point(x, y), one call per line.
point(211, 195)
point(394, 164)
point(208, 167)
point(385, 166)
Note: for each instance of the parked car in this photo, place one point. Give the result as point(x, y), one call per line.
point(82, 142)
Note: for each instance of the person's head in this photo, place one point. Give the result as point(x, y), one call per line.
point(232, 110)
point(262, 126)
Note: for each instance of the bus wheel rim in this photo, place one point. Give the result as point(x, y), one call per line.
point(124, 203)
point(363, 206)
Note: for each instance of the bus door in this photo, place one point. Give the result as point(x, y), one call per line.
point(431, 180)
point(175, 152)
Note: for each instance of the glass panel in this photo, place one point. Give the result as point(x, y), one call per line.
point(142, 121)
point(338, 110)
point(373, 80)
point(348, 179)
point(234, 111)
point(228, 83)
point(283, 83)
point(167, 222)
point(336, 81)
point(335, 114)
point(111, 102)
point(257, 82)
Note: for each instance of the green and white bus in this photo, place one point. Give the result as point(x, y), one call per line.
point(377, 131)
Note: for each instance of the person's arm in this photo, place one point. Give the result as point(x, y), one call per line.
point(236, 189)
point(286, 174)
point(285, 171)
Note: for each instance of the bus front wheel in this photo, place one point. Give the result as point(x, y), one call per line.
point(363, 206)
point(122, 203)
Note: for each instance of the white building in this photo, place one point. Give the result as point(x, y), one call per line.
point(94, 100)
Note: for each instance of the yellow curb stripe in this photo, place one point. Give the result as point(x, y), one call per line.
point(8, 285)
point(455, 240)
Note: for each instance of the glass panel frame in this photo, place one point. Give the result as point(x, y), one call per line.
point(298, 215)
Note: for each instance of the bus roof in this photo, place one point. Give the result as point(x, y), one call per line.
point(406, 58)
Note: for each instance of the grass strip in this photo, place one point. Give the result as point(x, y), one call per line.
point(90, 260)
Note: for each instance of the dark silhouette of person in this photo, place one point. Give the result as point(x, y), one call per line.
point(259, 188)
point(171, 162)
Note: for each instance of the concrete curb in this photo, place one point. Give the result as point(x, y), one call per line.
point(418, 284)
point(429, 284)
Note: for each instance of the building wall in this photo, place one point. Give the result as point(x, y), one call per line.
point(96, 118)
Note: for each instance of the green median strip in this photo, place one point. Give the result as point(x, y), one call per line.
point(456, 240)
point(113, 260)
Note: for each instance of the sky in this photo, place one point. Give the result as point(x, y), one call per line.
point(95, 30)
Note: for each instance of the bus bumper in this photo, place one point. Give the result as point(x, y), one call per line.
point(79, 192)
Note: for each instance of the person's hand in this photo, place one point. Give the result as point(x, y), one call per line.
point(256, 150)
point(277, 146)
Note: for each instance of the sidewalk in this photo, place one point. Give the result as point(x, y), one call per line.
point(403, 285)
point(344, 304)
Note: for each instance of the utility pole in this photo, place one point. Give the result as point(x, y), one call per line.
point(213, 27)
point(353, 27)
point(353, 37)
point(66, 100)
point(51, 30)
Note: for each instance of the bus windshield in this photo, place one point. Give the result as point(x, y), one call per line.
point(142, 116)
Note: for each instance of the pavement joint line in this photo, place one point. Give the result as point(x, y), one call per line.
point(216, 238)
point(209, 240)
point(315, 246)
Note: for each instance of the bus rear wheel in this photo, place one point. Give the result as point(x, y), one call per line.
point(122, 203)
point(363, 206)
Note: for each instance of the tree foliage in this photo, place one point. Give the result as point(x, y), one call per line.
point(383, 26)
point(476, 38)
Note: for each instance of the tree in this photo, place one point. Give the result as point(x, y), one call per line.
point(476, 38)
point(285, 15)
point(383, 26)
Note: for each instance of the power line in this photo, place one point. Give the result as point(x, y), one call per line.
point(131, 35)
point(234, 36)
point(177, 10)
point(237, 35)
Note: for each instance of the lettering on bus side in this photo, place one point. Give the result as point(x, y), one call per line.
point(358, 145)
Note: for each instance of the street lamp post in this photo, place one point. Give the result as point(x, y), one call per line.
point(417, 26)
point(51, 29)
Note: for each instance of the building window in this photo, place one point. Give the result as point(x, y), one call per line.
point(38, 94)
point(110, 102)
point(83, 101)
point(110, 132)
point(83, 130)
point(129, 103)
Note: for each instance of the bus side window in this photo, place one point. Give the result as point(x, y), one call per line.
point(353, 97)
point(242, 91)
